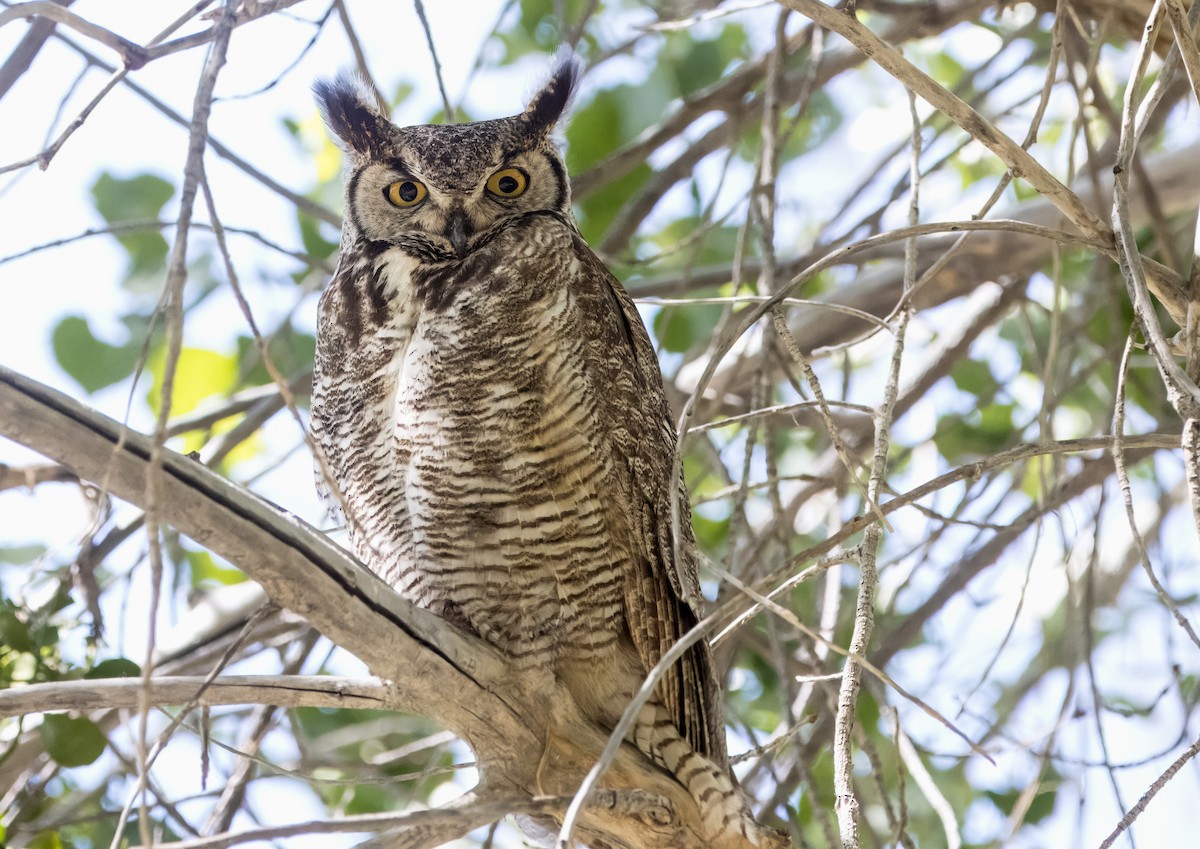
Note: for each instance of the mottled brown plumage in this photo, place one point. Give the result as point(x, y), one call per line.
point(492, 413)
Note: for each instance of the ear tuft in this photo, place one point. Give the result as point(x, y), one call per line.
point(549, 104)
point(349, 112)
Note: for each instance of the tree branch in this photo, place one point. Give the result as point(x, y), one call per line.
point(449, 822)
point(133, 55)
point(281, 690)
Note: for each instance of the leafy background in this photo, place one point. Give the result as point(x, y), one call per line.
point(1015, 601)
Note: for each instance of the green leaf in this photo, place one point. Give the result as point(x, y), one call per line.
point(139, 198)
point(1040, 808)
point(72, 741)
point(536, 29)
point(369, 799)
point(600, 208)
point(711, 534)
point(983, 431)
point(1037, 474)
point(313, 722)
point(315, 243)
point(21, 553)
point(130, 198)
point(45, 634)
point(700, 63)
point(679, 329)
point(404, 90)
point(974, 376)
point(117, 667)
point(996, 424)
point(615, 116)
point(290, 350)
point(821, 119)
point(944, 68)
point(205, 571)
point(14, 633)
point(45, 840)
point(199, 374)
point(94, 364)
point(705, 245)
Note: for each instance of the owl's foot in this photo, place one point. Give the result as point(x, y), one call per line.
point(726, 817)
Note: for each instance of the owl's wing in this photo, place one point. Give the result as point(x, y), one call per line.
point(662, 597)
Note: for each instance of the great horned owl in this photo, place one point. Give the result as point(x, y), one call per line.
point(492, 412)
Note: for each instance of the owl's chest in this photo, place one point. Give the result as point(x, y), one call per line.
point(490, 367)
point(506, 471)
point(470, 443)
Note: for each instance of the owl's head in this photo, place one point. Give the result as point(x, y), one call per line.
point(438, 192)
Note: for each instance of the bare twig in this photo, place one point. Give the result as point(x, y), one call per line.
point(43, 157)
point(852, 657)
point(133, 55)
point(282, 690)
point(16, 477)
point(1118, 454)
point(176, 277)
point(360, 57)
point(929, 789)
point(299, 200)
point(123, 227)
point(437, 63)
point(246, 13)
point(1148, 796)
point(1182, 391)
point(1019, 160)
point(969, 472)
point(864, 615)
point(1182, 27)
point(464, 818)
point(23, 54)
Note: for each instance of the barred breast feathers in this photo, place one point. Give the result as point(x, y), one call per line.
point(366, 326)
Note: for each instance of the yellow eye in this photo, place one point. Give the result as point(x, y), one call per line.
point(508, 183)
point(405, 193)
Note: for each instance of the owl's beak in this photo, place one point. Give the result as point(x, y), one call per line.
point(458, 232)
